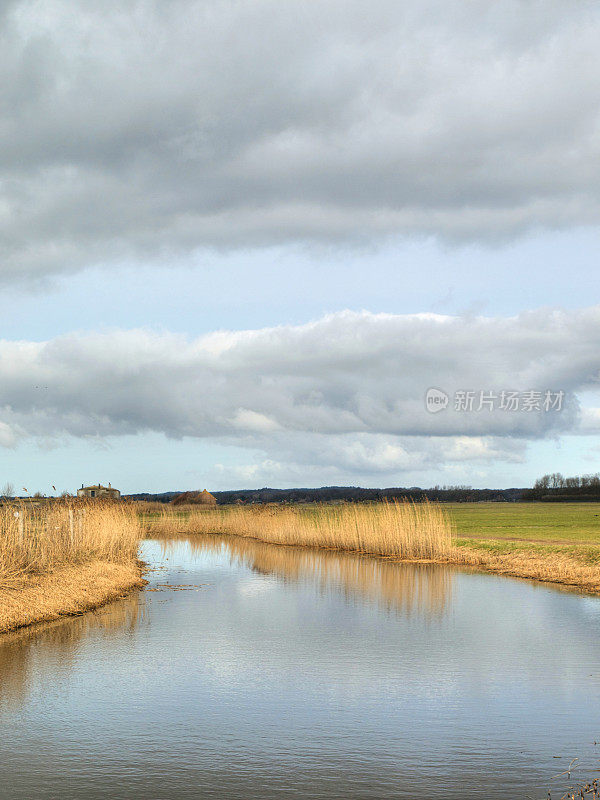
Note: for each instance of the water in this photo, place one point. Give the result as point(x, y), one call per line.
point(251, 671)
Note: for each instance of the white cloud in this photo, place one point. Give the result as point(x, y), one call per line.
point(247, 420)
point(590, 421)
point(152, 129)
point(343, 394)
point(377, 459)
point(9, 435)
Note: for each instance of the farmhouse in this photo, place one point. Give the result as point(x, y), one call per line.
point(99, 491)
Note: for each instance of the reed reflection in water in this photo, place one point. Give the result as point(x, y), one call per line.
point(407, 588)
point(54, 647)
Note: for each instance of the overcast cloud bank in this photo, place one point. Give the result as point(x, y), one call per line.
point(148, 130)
point(345, 392)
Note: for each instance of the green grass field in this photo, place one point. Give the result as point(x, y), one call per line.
point(567, 523)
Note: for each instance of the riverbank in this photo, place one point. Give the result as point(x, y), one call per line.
point(427, 532)
point(550, 542)
point(68, 591)
point(575, 566)
point(64, 558)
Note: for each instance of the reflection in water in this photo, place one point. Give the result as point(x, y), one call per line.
point(56, 644)
point(408, 588)
point(249, 671)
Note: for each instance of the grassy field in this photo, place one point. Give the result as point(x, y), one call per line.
point(553, 523)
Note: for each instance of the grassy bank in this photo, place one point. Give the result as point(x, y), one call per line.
point(569, 565)
point(557, 542)
point(545, 542)
point(62, 558)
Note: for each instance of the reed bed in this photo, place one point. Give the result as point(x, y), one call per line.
point(402, 530)
point(36, 540)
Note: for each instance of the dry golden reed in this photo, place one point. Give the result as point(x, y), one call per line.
point(419, 531)
point(35, 540)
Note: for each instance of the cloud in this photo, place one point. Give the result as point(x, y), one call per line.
point(147, 131)
point(247, 420)
point(590, 421)
point(377, 459)
point(344, 394)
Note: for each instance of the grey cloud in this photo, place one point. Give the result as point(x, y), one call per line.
point(147, 130)
point(345, 392)
point(309, 459)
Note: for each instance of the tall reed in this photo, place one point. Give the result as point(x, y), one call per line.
point(38, 539)
point(399, 529)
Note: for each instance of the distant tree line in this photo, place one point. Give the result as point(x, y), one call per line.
point(350, 494)
point(553, 487)
point(556, 488)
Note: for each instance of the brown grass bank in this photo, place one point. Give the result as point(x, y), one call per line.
point(574, 566)
point(64, 558)
point(397, 530)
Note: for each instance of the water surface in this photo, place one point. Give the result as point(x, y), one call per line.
point(251, 671)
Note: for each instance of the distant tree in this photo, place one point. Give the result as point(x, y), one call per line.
point(557, 488)
point(8, 491)
point(542, 483)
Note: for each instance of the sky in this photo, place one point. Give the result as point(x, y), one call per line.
point(240, 242)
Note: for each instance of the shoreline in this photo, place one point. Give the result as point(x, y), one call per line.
point(552, 565)
point(558, 547)
point(68, 591)
point(542, 563)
